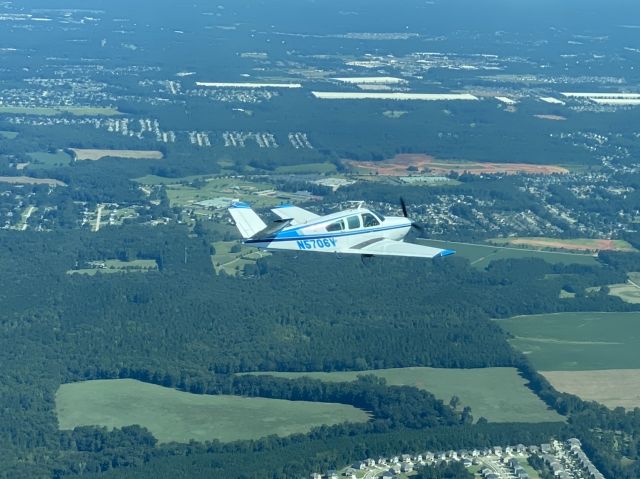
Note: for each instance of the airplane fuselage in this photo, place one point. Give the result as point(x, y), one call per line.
point(333, 233)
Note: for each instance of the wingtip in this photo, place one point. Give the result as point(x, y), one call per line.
point(447, 252)
point(240, 204)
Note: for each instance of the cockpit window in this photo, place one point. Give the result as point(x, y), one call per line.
point(336, 226)
point(368, 220)
point(379, 215)
point(353, 222)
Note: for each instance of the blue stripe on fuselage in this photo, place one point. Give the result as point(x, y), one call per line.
point(283, 237)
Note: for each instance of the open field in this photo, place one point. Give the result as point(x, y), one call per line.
point(577, 341)
point(234, 263)
point(54, 111)
point(94, 155)
point(259, 195)
point(117, 266)
point(308, 168)
point(331, 95)
point(399, 165)
point(247, 85)
point(612, 387)
point(9, 135)
point(173, 415)
point(27, 180)
point(481, 255)
point(43, 159)
point(628, 292)
point(498, 394)
point(579, 244)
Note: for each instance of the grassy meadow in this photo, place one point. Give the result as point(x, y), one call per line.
point(481, 255)
point(577, 341)
point(173, 415)
point(498, 394)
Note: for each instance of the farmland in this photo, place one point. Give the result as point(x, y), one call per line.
point(54, 111)
point(44, 159)
point(9, 135)
point(399, 165)
point(117, 266)
point(577, 341)
point(481, 255)
point(94, 155)
point(611, 387)
point(498, 394)
point(26, 180)
point(173, 415)
point(580, 244)
point(233, 263)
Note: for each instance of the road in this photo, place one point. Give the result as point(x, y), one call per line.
point(98, 217)
point(26, 217)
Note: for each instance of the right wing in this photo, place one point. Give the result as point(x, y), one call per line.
point(297, 215)
point(389, 247)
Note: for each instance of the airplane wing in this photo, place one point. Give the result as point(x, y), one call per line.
point(388, 247)
point(298, 215)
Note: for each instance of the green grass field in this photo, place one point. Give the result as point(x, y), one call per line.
point(173, 415)
point(309, 168)
point(9, 135)
point(43, 159)
point(498, 394)
point(577, 244)
point(116, 266)
point(481, 255)
point(72, 110)
point(234, 263)
point(578, 341)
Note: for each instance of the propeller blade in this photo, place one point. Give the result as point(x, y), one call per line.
point(404, 207)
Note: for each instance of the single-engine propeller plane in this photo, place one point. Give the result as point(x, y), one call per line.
point(354, 231)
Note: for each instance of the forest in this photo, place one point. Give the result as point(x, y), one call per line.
point(176, 327)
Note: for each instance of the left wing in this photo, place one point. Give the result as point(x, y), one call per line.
point(298, 215)
point(388, 247)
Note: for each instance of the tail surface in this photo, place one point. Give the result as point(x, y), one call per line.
point(247, 221)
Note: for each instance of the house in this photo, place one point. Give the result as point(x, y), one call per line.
point(574, 442)
point(508, 450)
point(545, 448)
point(360, 466)
point(513, 463)
point(406, 467)
point(521, 449)
point(331, 475)
point(467, 463)
point(534, 449)
point(475, 453)
point(387, 475)
point(370, 462)
point(315, 475)
point(497, 450)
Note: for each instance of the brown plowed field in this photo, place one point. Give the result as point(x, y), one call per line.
point(398, 166)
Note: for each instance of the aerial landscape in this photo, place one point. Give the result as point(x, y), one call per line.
point(169, 171)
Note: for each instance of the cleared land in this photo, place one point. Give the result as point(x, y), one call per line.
point(43, 159)
point(9, 135)
point(248, 85)
point(613, 387)
point(481, 255)
point(54, 111)
point(330, 95)
point(117, 266)
point(27, 180)
point(398, 166)
point(498, 394)
point(233, 263)
point(628, 292)
point(578, 341)
point(173, 415)
point(579, 244)
point(94, 155)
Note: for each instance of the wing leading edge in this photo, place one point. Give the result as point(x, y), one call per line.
point(388, 247)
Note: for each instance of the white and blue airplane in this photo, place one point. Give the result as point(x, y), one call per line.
point(354, 231)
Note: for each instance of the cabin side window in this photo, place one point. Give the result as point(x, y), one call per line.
point(368, 220)
point(353, 222)
point(336, 226)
